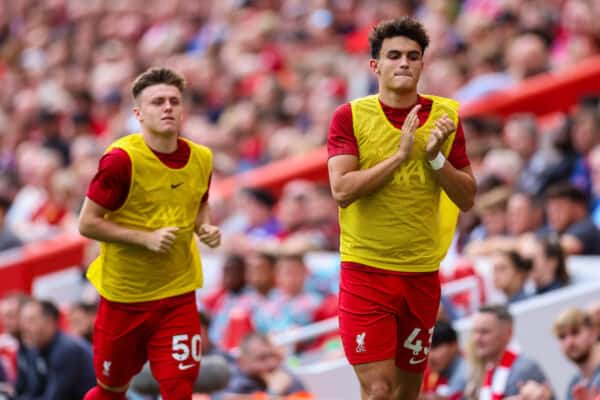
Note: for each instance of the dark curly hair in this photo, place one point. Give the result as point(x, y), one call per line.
point(404, 26)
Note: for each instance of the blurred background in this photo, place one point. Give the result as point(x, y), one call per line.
point(263, 80)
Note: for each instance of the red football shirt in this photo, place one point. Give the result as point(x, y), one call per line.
point(341, 139)
point(110, 186)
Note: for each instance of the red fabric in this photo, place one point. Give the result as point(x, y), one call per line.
point(110, 186)
point(128, 334)
point(431, 381)
point(240, 325)
point(97, 393)
point(50, 213)
point(506, 362)
point(341, 139)
point(388, 316)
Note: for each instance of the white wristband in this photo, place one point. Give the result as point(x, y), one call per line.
point(437, 162)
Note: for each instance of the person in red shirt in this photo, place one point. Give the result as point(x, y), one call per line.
point(397, 163)
point(145, 204)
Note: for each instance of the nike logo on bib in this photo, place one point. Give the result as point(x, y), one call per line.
point(175, 185)
point(183, 367)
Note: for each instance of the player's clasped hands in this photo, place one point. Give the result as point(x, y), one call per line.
point(210, 235)
point(161, 240)
point(410, 125)
point(443, 128)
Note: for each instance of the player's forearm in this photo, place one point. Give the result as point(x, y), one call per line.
point(460, 186)
point(355, 184)
point(106, 231)
point(203, 216)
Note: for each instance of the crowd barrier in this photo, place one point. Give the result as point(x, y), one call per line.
point(21, 266)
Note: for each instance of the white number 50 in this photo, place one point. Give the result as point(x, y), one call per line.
point(181, 350)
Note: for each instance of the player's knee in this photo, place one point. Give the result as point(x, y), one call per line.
point(98, 393)
point(379, 390)
point(176, 389)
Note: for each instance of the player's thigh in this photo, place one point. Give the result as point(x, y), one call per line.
point(174, 349)
point(367, 329)
point(119, 345)
point(416, 319)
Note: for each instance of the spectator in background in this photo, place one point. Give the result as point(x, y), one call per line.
point(11, 347)
point(260, 369)
point(224, 299)
point(578, 340)
point(586, 136)
point(8, 239)
point(81, 318)
point(594, 161)
point(446, 375)
point(568, 216)
point(491, 209)
point(291, 304)
point(496, 370)
point(524, 214)
point(260, 273)
point(509, 274)
point(549, 271)
point(60, 367)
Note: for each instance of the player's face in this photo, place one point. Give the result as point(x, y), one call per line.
point(576, 342)
point(399, 64)
point(159, 109)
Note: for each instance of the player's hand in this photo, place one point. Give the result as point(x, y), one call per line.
point(210, 235)
point(160, 240)
point(410, 125)
point(443, 128)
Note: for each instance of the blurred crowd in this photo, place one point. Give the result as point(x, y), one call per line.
point(263, 79)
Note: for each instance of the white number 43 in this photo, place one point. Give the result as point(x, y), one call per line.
point(414, 344)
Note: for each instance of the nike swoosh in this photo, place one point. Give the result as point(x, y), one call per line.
point(174, 185)
point(183, 367)
point(412, 361)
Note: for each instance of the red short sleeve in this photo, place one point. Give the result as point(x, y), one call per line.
point(458, 153)
point(110, 186)
point(341, 139)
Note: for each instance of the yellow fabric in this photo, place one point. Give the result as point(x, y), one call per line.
point(408, 224)
point(159, 196)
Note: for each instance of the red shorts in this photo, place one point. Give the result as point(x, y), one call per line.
point(386, 315)
point(166, 332)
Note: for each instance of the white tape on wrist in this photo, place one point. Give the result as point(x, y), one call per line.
point(437, 162)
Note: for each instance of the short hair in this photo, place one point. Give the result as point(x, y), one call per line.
point(252, 336)
point(261, 196)
point(571, 318)
point(404, 26)
point(566, 190)
point(553, 250)
point(521, 263)
point(47, 307)
point(156, 76)
point(86, 307)
point(500, 311)
point(443, 333)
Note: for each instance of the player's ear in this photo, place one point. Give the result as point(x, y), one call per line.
point(374, 65)
point(137, 112)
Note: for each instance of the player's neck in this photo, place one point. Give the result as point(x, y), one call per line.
point(162, 143)
point(398, 100)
